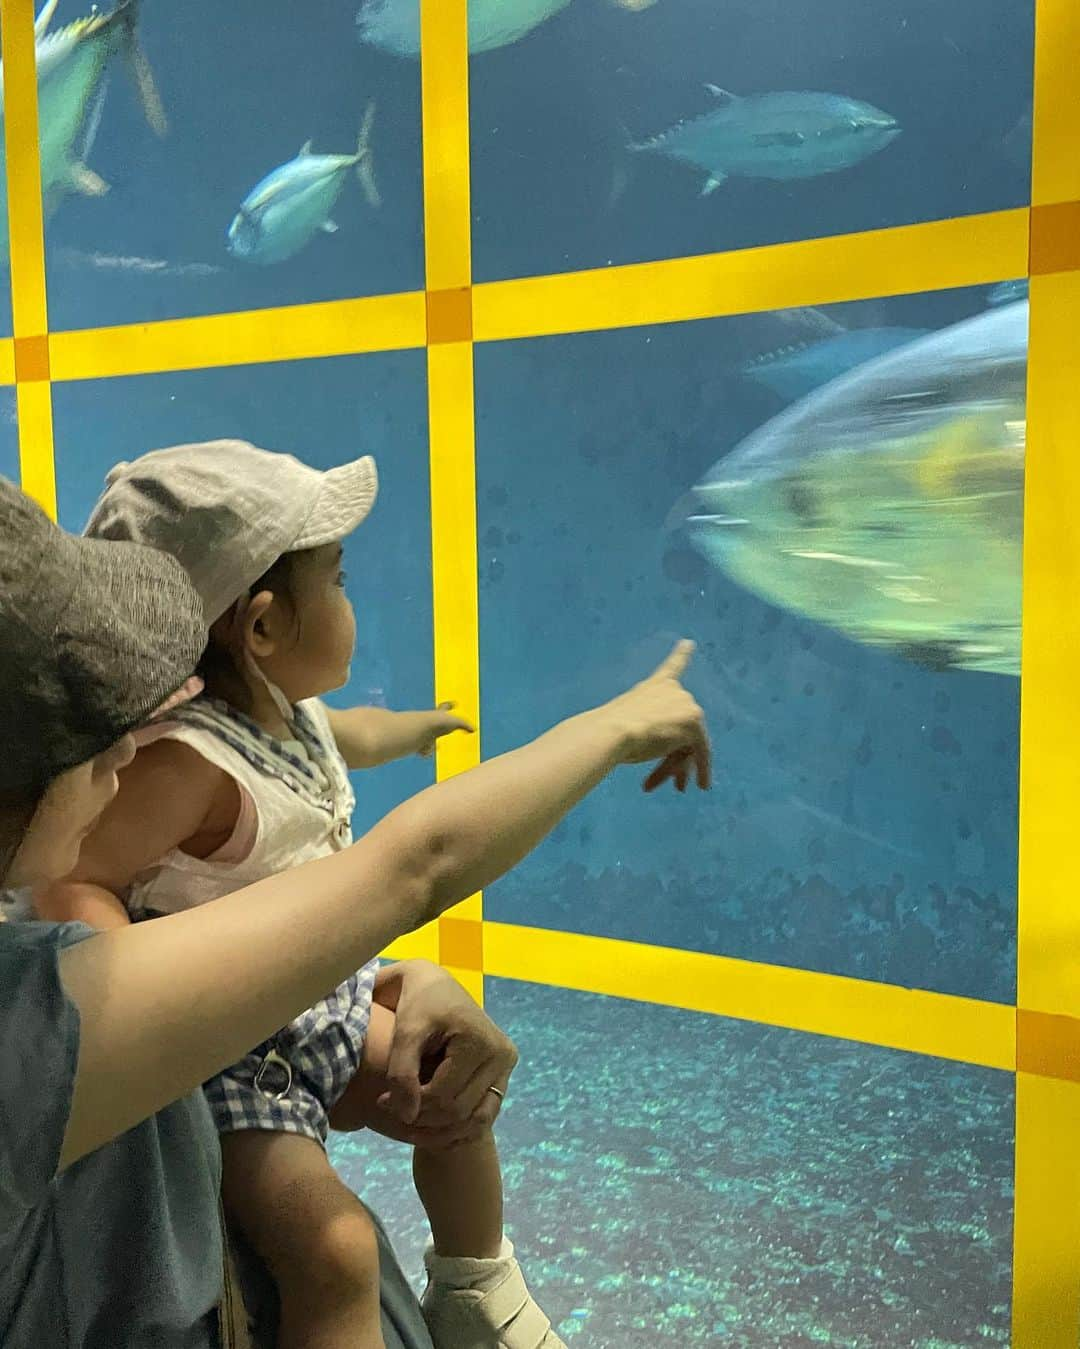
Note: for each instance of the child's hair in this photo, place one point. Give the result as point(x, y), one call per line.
point(218, 667)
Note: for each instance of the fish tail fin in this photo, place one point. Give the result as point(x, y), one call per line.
point(141, 73)
point(365, 158)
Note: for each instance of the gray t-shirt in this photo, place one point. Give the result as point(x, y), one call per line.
point(123, 1250)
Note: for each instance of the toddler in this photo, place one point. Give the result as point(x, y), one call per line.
point(251, 779)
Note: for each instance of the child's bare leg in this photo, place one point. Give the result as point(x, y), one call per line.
point(314, 1235)
point(460, 1187)
point(461, 1191)
point(476, 1293)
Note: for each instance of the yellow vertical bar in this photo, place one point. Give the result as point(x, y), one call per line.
point(453, 545)
point(1046, 1305)
point(1048, 978)
point(1046, 1256)
point(444, 69)
point(33, 402)
point(25, 224)
point(27, 251)
point(1046, 1260)
point(1055, 163)
point(445, 86)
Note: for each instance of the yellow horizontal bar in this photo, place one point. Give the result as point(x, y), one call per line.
point(967, 251)
point(289, 333)
point(472, 981)
point(1046, 1286)
point(422, 944)
point(823, 1004)
point(7, 360)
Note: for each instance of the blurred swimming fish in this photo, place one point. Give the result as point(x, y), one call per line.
point(889, 504)
point(72, 70)
point(782, 136)
point(284, 212)
point(140, 266)
point(1008, 292)
point(798, 369)
point(394, 25)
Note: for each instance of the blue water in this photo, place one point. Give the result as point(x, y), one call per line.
point(549, 122)
point(863, 819)
point(673, 1178)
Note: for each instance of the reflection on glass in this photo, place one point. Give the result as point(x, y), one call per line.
point(724, 1183)
point(829, 502)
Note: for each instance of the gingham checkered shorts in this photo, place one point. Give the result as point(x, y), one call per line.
point(290, 1082)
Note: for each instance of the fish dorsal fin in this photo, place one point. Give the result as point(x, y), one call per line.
point(41, 23)
point(305, 150)
point(721, 95)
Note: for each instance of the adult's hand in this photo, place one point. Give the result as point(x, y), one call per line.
point(446, 1055)
point(658, 719)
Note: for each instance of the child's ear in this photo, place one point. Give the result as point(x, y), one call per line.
point(261, 634)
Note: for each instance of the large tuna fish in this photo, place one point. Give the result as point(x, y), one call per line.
point(889, 504)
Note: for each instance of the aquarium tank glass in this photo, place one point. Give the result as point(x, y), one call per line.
point(662, 318)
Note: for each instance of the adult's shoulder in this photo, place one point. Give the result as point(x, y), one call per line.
point(39, 1051)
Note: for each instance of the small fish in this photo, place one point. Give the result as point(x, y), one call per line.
point(888, 505)
point(782, 136)
point(394, 25)
point(1008, 292)
point(796, 370)
point(72, 77)
point(284, 212)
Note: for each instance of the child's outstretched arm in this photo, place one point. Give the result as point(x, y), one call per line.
point(369, 736)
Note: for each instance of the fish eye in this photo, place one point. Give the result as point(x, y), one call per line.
point(800, 500)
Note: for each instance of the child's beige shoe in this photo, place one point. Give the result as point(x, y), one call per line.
point(483, 1304)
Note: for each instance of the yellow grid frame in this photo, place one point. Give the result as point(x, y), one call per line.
point(1039, 1038)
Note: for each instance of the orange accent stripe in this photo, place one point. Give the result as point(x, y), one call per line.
point(1055, 238)
point(1048, 1045)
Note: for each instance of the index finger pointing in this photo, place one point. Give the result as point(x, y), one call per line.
point(674, 667)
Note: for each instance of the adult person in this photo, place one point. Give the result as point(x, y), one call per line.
point(109, 1166)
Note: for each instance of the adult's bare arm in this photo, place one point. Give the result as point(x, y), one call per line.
point(167, 1004)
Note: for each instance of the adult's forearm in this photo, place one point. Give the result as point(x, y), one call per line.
point(166, 1004)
